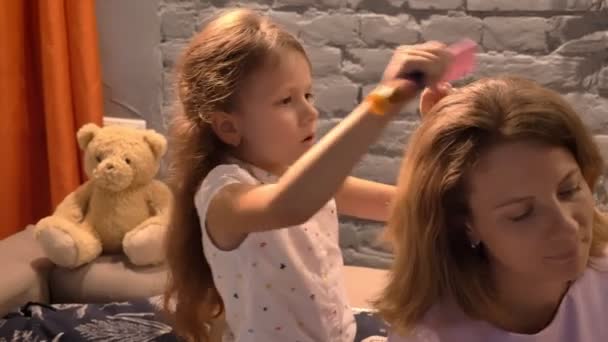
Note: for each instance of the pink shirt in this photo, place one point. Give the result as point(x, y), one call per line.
point(582, 316)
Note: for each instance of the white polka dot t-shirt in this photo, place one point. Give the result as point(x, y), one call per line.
point(279, 285)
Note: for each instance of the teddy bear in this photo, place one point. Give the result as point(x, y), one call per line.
point(121, 208)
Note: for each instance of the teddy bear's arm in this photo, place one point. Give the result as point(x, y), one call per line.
point(144, 245)
point(74, 206)
point(160, 198)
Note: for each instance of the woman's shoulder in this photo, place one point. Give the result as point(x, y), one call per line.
point(445, 321)
point(585, 301)
point(599, 263)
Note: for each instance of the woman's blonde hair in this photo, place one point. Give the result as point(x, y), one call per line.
point(433, 256)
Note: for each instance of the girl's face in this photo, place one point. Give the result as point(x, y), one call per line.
point(276, 115)
point(532, 211)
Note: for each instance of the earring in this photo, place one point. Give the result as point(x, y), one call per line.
point(473, 245)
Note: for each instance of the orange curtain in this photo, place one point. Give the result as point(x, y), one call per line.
point(50, 85)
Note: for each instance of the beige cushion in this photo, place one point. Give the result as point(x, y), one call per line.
point(112, 278)
point(363, 285)
point(109, 278)
point(24, 271)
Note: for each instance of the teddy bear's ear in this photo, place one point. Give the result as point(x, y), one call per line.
point(85, 134)
point(157, 143)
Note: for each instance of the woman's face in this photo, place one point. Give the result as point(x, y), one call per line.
point(532, 211)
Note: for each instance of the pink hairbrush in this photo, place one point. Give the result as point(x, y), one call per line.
point(463, 63)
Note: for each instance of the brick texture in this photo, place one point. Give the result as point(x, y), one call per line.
point(561, 44)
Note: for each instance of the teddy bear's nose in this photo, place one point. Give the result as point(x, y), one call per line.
point(109, 166)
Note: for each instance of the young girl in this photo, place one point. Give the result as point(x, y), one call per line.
point(495, 232)
point(255, 230)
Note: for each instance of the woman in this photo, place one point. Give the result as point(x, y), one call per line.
point(494, 228)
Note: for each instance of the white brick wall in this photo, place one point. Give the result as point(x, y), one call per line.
point(561, 44)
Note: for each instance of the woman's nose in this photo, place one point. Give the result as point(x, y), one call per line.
point(563, 220)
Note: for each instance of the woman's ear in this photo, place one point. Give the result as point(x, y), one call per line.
point(430, 97)
point(474, 238)
point(227, 128)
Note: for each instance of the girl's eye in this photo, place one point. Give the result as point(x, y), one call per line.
point(310, 97)
point(286, 100)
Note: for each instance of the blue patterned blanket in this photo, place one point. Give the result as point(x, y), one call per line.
point(133, 321)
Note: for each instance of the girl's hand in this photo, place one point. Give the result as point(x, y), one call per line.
point(413, 67)
point(430, 58)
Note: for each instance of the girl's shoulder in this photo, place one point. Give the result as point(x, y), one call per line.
point(224, 174)
point(219, 177)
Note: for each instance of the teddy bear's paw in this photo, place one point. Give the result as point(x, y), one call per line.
point(59, 246)
point(375, 339)
point(145, 246)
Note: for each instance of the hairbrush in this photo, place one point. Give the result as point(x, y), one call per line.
point(463, 63)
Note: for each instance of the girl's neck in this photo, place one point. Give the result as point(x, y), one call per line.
point(528, 306)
